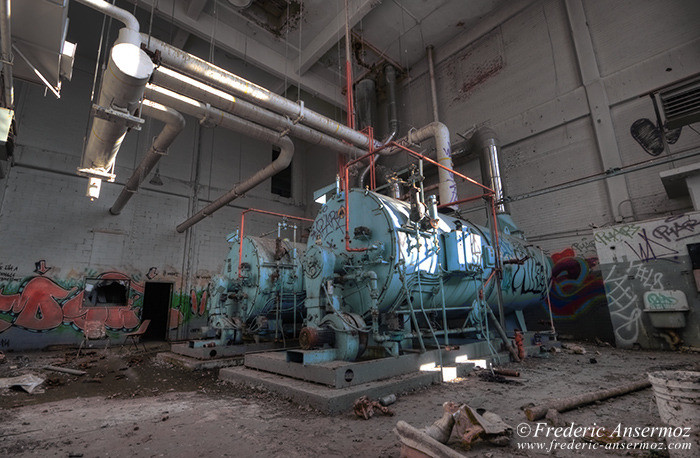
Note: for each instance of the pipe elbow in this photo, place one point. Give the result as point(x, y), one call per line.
point(286, 152)
point(483, 137)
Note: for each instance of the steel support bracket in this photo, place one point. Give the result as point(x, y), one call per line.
point(117, 117)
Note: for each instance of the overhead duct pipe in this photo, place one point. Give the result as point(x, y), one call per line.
point(191, 87)
point(236, 124)
point(390, 78)
point(6, 38)
point(366, 107)
point(437, 130)
point(229, 82)
point(174, 123)
point(124, 80)
point(485, 141)
point(433, 87)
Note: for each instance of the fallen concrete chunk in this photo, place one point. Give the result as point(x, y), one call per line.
point(27, 382)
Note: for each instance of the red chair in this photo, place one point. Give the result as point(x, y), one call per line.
point(136, 335)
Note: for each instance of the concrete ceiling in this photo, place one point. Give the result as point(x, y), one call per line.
point(301, 42)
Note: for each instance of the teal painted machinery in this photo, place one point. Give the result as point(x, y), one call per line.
point(259, 294)
point(408, 272)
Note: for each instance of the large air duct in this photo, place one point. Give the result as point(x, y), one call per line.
point(174, 123)
point(123, 82)
point(218, 117)
point(234, 84)
point(191, 87)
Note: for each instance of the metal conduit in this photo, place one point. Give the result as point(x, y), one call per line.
point(6, 38)
point(174, 123)
point(190, 87)
point(228, 121)
point(227, 81)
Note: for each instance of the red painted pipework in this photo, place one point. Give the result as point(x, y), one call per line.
point(264, 212)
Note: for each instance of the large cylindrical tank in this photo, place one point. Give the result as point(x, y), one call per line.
point(449, 263)
point(270, 277)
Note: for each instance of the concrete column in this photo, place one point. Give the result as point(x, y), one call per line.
point(598, 105)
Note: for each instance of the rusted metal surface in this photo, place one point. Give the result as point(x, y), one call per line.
point(364, 408)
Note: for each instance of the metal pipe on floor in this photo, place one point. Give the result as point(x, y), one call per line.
point(174, 123)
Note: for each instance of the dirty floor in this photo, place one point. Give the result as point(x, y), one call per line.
point(129, 404)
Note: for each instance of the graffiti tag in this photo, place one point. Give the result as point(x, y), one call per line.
point(649, 249)
point(672, 230)
point(617, 234)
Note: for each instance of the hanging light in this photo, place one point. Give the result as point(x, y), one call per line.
point(156, 180)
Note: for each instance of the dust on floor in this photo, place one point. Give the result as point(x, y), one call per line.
point(130, 404)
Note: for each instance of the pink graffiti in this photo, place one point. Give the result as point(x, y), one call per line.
point(42, 305)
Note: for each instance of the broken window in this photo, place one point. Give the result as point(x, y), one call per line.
point(106, 293)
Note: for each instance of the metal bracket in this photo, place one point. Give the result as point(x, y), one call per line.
point(117, 117)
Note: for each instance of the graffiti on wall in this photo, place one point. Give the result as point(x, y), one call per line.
point(662, 239)
point(576, 285)
point(40, 304)
point(623, 300)
point(649, 136)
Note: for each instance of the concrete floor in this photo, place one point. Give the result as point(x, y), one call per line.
point(129, 403)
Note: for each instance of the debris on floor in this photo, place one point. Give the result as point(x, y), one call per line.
point(488, 376)
point(364, 408)
point(475, 424)
point(27, 382)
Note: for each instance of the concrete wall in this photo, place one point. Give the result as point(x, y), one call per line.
point(650, 257)
point(562, 82)
point(53, 237)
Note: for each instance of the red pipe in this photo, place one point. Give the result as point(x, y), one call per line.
point(264, 212)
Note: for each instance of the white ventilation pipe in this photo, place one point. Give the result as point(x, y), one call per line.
point(437, 130)
point(228, 121)
point(6, 38)
point(131, 35)
point(190, 87)
point(229, 82)
point(174, 123)
point(127, 73)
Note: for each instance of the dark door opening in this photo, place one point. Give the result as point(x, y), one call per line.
point(156, 303)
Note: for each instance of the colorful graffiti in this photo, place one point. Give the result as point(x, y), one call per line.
point(40, 304)
point(576, 285)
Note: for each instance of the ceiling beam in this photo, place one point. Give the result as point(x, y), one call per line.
point(195, 7)
point(239, 44)
point(331, 34)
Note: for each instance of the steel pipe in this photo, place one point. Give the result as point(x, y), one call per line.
point(6, 38)
point(234, 123)
point(486, 142)
point(131, 34)
point(433, 88)
point(174, 123)
point(437, 130)
point(229, 82)
point(191, 87)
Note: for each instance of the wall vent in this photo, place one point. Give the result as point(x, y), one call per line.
point(680, 104)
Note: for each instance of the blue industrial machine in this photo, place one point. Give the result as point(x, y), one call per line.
point(388, 277)
point(260, 292)
point(405, 273)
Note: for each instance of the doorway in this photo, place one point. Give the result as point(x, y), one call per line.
point(156, 304)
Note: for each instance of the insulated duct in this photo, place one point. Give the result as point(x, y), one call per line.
point(229, 82)
point(447, 186)
point(174, 123)
point(485, 141)
point(366, 106)
point(123, 82)
point(190, 87)
point(228, 121)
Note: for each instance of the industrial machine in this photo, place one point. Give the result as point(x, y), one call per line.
point(404, 273)
point(261, 288)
